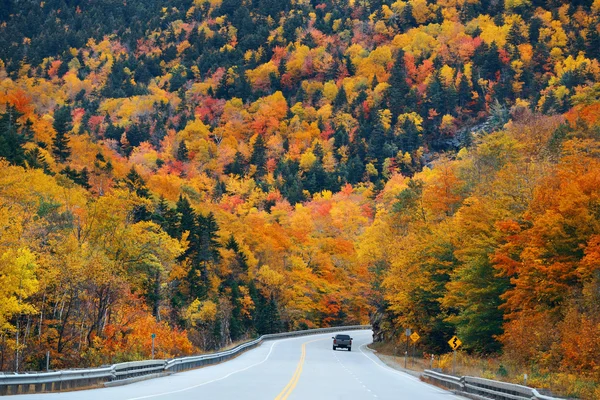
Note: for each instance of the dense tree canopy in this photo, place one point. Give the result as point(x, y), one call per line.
point(211, 170)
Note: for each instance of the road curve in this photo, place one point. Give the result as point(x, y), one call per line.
point(286, 369)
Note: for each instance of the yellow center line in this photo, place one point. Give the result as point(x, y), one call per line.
point(289, 388)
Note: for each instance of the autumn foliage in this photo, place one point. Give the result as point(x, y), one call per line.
point(213, 170)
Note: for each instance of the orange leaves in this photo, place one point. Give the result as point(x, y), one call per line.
point(54, 66)
point(19, 99)
point(268, 112)
point(130, 337)
point(591, 261)
point(589, 114)
point(581, 343)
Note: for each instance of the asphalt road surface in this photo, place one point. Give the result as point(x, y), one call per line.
point(295, 369)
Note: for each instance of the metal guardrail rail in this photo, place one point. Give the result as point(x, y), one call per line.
point(485, 389)
point(90, 377)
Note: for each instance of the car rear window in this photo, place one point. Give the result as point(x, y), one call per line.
point(342, 337)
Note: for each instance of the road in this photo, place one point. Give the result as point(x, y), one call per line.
point(287, 369)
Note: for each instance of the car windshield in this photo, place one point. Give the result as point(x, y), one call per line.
point(342, 337)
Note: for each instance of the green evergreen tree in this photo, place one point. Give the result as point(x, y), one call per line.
point(11, 140)
point(62, 125)
point(35, 159)
point(135, 183)
point(593, 42)
point(182, 152)
point(399, 95)
point(238, 166)
point(259, 157)
point(341, 100)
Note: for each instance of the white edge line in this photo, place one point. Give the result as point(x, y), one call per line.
point(403, 374)
point(211, 381)
point(223, 377)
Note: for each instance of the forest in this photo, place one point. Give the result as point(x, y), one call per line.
point(213, 170)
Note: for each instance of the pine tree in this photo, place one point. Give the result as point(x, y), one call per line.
point(35, 159)
point(238, 166)
point(551, 104)
point(236, 326)
point(187, 217)
point(377, 141)
point(399, 93)
point(356, 170)
point(182, 152)
point(341, 100)
point(159, 213)
point(222, 91)
point(464, 92)
point(259, 157)
point(436, 96)
point(62, 125)
point(593, 42)
point(202, 252)
point(11, 140)
point(218, 190)
point(349, 65)
point(407, 19)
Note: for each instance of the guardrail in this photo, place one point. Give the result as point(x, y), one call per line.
point(91, 377)
point(185, 363)
point(485, 389)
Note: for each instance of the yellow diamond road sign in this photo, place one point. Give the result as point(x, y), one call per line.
point(414, 337)
point(454, 342)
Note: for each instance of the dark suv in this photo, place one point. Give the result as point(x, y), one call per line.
point(343, 341)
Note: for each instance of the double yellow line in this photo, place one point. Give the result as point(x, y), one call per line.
point(289, 388)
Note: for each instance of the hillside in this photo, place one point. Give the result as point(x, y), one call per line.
point(213, 170)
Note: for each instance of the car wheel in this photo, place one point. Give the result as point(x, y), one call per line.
point(349, 348)
point(334, 347)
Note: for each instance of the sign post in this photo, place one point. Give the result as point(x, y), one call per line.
point(454, 344)
point(153, 336)
point(407, 332)
point(414, 337)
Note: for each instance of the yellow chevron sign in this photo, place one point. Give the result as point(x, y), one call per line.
point(454, 342)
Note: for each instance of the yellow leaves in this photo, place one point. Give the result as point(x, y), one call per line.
point(268, 111)
point(194, 130)
point(513, 4)
point(554, 34)
point(398, 6)
point(447, 122)
point(416, 41)
point(381, 55)
point(387, 12)
point(385, 117)
point(325, 112)
point(581, 64)
point(330, 90)
point(348, 218)
point(371, 170)
point(489, 31)
point(375, 64)
point(420, 11)
point(18, 281)
point(260, 76)
point(307, 160)
point(201, 312)
point(270, 279)
point(415, 118)
point(447, 75)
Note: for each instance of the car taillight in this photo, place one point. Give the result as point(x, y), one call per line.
point(334, 341)
point(351, 342)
